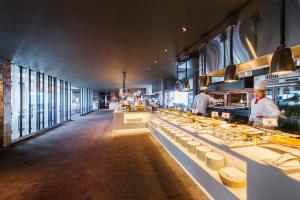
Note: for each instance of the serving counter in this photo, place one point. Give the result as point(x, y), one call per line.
point(129, 120)
point(234, 170)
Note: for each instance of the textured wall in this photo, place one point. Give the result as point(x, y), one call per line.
point(5, 103)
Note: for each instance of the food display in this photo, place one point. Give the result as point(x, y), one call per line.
point(140, 107)
point(285, 140)
point(232, 177)
point(214, 160)
point(228, 153)
point(232, 135)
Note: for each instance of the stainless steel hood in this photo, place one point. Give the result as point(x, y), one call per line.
point(256, 38)
point(256, 64)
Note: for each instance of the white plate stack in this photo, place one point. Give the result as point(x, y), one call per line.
point(214, 160)
point(173, 134)
point(184, 141)
point(162, 127)
point(178, 136)
point(165, 129)
point(168, 131)
point(201, 151)
point(192, 146)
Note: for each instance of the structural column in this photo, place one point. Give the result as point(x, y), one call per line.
point(5, 103)
point(195, 64)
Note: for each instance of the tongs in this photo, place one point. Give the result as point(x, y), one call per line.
point(278, 162)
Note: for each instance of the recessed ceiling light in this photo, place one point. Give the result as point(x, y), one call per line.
point(165, 50)
point(184, 29)
point(155, 61)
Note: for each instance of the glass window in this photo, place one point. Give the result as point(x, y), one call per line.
point(15, 101)
point(54, 101)
point(38, 101)
point(25, 101)
point(58, 101)
point(46, 101)
point(32, 101)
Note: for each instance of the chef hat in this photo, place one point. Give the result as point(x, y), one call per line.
point(260, 85)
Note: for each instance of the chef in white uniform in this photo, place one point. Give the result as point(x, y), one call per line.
point(202, 101)
point(262, 106)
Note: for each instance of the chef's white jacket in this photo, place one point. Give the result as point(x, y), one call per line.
point(201, 102)
point(265, 107)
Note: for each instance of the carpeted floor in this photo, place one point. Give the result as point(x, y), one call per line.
point(81, 160)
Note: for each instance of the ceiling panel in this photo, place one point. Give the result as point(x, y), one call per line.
point(92, 42)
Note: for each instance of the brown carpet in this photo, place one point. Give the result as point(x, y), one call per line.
point(81, 160)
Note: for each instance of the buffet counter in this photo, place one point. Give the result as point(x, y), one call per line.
point(129, 120)
point(224, 162)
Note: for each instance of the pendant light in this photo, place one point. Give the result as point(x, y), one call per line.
point(123, 91)
point(204, 81)
point(186, 83)
point(177, 84)
point(230, 71)
point(282, 61)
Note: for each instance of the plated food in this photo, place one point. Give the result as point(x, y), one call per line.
point(285, 140)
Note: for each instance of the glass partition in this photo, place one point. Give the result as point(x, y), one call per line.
point(38, 101)
point(15, 102)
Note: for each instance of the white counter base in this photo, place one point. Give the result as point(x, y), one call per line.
point(128, 121)
point(213, 188)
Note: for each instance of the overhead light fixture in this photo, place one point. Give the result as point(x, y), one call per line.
point(204, 81)
point(184, 29)
point(186, 82)
point(155, 61)
point(123, 91)
point(177, 84)
point(282, 60)
point(165, 50)
point(230, 71)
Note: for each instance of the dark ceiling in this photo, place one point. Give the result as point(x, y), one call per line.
point(91, 42)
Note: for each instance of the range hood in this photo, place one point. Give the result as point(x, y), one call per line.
point(255, 64)
point(239, 85)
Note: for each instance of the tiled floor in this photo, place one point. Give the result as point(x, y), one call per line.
point(81, 160)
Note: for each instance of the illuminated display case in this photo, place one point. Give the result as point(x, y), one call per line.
point(253, 172)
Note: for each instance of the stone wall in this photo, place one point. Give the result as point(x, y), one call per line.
point(5, 103)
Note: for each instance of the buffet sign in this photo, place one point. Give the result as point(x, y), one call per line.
point(225, 115)
point(270, 122)
point(135, 118)
point(214, 114)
